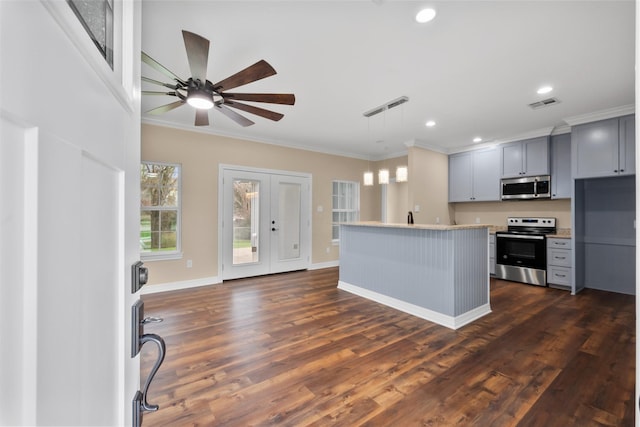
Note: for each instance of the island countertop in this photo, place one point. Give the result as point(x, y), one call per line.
point(444, 227)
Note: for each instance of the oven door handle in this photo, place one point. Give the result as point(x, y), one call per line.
point(520, 236)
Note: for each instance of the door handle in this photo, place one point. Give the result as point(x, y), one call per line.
point(139, 403)
point(274, 229)
point(138, 339)
point(161, 352)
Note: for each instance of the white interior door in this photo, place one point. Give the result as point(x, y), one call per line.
point(265, 223)
point(70, 222)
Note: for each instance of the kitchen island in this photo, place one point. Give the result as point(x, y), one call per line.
point(437, 272)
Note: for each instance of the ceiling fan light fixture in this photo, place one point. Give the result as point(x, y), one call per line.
point(200, 100)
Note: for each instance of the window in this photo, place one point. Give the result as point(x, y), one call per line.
point(96, 17)
point(160, 210)
point(346, 205)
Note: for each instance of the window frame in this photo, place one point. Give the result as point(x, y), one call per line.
point(355, 201)
point(109, 30)
point(165, 255)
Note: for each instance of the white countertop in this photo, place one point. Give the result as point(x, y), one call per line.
point(443, 227)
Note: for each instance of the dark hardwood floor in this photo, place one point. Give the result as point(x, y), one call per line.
point(293, 350)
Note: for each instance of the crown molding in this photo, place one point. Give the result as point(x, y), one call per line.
point(210, 131)
point(601, 115)
point(425, 145)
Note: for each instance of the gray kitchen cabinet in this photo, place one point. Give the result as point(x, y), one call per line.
point(474, 176)
point(529, 157)
point(561, 166)
point(492, 254)
point(604, 148)
point(627, 157)
point(559, 271)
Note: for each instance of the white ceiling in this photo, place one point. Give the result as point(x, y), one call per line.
point(474, 69)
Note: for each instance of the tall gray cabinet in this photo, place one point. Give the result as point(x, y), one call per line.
point(604, 148)
point(603, 164)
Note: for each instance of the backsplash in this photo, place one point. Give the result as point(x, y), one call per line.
point(496, 213)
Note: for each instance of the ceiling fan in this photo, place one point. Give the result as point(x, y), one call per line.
point(203, 95)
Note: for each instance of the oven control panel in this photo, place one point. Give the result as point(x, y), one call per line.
point(531, 222)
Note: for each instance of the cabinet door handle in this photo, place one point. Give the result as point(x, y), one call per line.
point(621, 170)
point(561, 275)
point(616, 171)
point(561, 257)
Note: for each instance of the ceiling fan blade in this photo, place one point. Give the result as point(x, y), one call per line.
point(167, 107)
point(202, 117)
point(271, 115)
point(159, 83)
point(159, 67)
point(198, 54)
point(271, 98)
point(257, 71)
point(241, 120)
point(151, 92)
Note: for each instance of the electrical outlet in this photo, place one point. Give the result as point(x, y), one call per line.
point(416, 208)
point(328, 249)
point(477, 220)
point(437, 220)
point(189, 263)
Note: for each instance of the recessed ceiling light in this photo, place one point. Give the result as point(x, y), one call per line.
point(545, 89)
point(430, 123)
point(425, 15)
point(477, 139)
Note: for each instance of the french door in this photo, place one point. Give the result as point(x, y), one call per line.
point(266, 222)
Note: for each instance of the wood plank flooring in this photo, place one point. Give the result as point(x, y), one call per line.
point(293, 350)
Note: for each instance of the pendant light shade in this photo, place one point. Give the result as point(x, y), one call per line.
point(402, 174)
point(383, 176)
point(368, 178)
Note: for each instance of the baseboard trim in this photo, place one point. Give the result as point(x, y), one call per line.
point(321, 265)
point(451, 322)
point(184, 284)
point(213, 280)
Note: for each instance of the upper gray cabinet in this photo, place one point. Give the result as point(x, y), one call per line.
point(525, 158)
point(604, 148)
point(561, 166)
point(474, 176)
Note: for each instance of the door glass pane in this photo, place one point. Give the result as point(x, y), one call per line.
point(289, 217)
point(246, 221)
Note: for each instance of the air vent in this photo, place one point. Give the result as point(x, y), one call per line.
point(544, 103)
point(386, 106)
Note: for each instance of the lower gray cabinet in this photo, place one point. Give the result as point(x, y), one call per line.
point(559, 271)
point(492, 254)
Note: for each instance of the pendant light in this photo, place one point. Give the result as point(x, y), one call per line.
point(383, 176)
point(367, 179)
point(402, 174)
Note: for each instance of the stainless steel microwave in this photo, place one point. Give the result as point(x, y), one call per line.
point(526, 188)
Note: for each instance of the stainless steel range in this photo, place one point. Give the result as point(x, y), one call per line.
point(521, 251)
